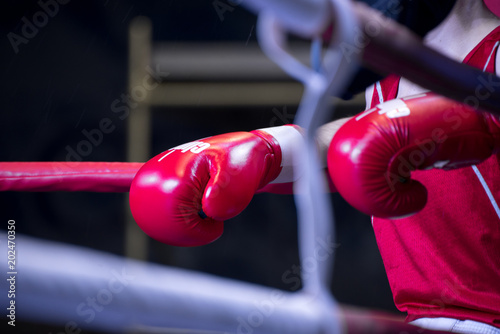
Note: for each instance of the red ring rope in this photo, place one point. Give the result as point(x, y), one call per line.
point(67, 176)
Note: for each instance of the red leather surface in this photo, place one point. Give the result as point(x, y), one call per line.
point(372, 156)
point(182, 196)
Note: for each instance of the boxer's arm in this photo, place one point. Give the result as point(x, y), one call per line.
point(324, 136)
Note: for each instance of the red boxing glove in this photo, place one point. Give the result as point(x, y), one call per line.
point(371, 157)
point(182, 196)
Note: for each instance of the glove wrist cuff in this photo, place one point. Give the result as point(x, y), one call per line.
point(287, 138)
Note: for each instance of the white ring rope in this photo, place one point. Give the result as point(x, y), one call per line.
point(81, 288)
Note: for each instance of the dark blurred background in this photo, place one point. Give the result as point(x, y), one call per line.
point(64, 79)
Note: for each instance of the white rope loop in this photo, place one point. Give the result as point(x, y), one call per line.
point(315, 214)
